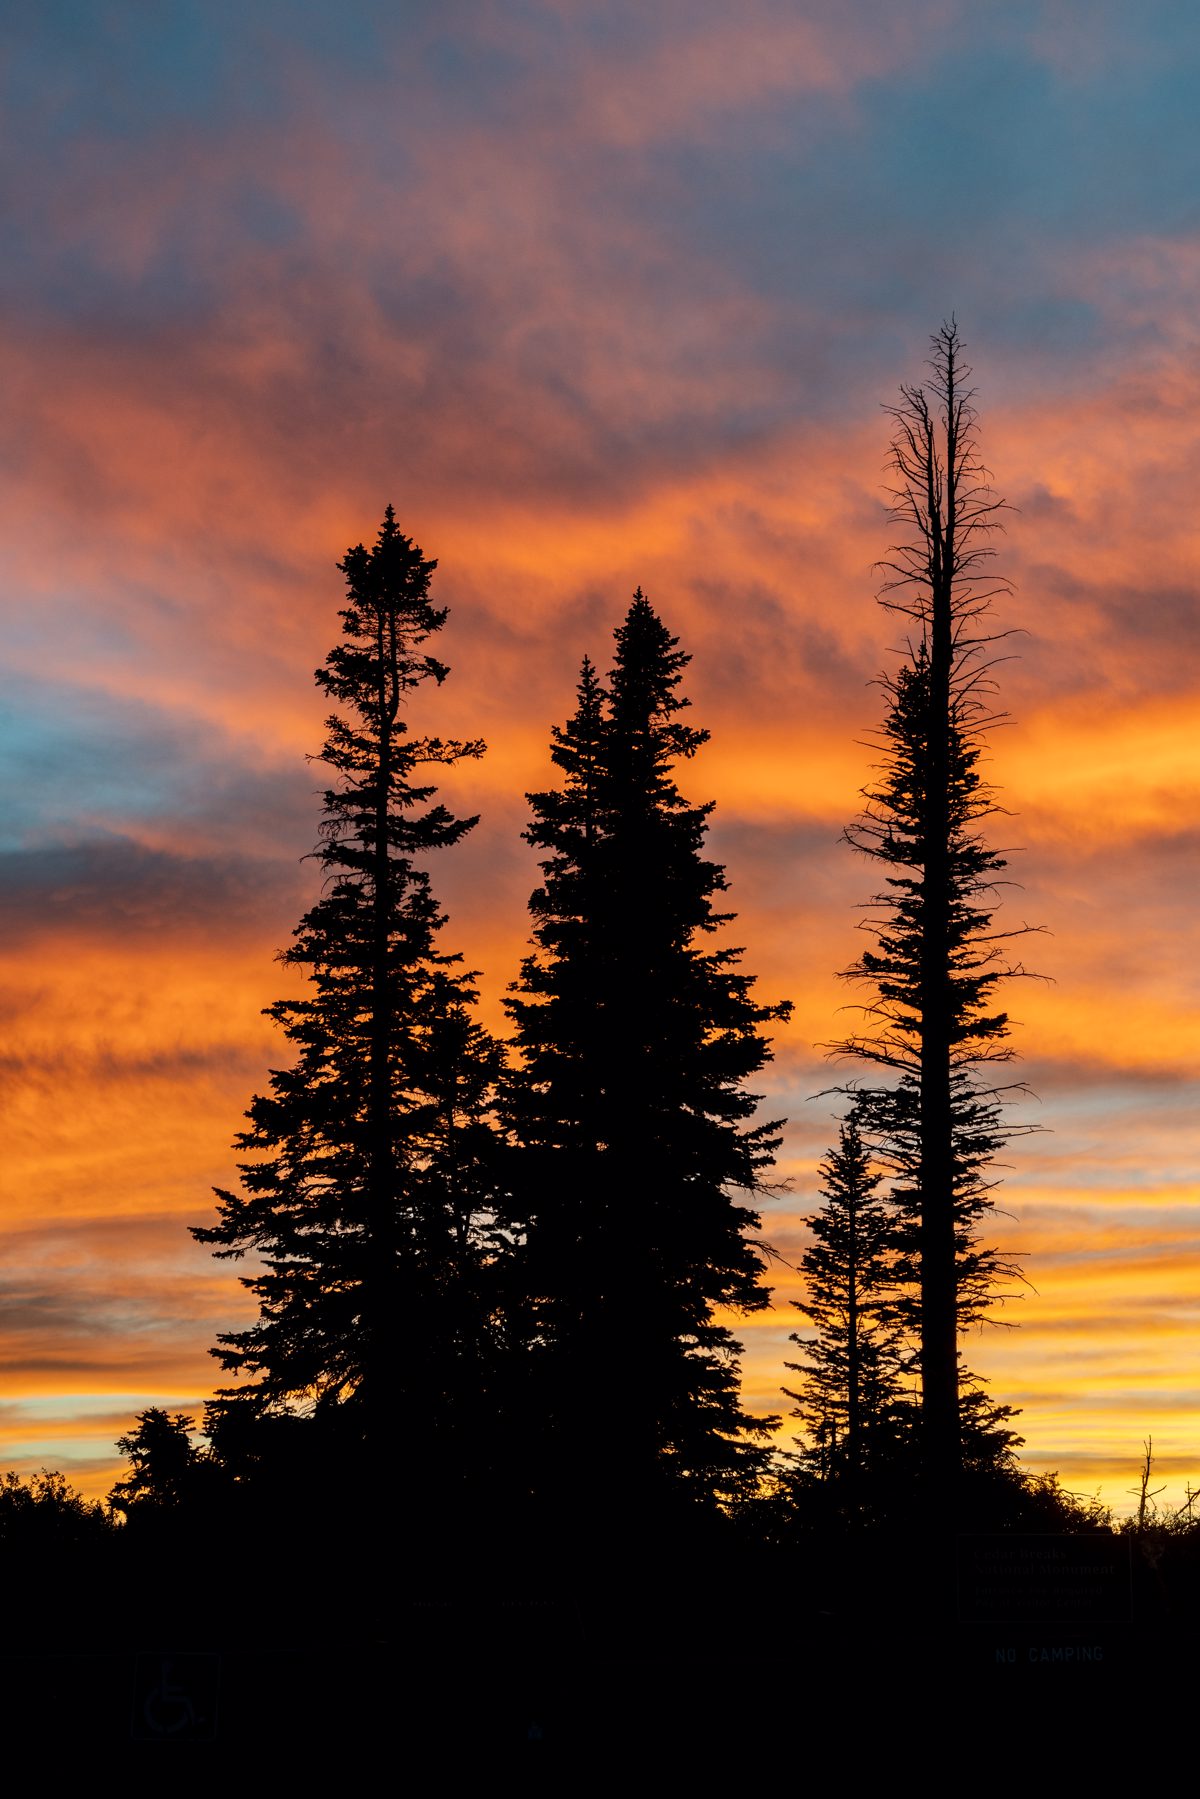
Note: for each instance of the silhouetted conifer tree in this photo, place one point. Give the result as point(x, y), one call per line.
point(366, 1194)
point(163, 1463)
point(636, 1036)
point(851, 1395)
point(936, 961)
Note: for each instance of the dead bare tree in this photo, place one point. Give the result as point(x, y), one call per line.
point(936, 959)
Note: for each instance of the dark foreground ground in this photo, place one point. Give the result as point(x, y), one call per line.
point(847, 1659)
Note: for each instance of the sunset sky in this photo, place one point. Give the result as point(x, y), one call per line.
point(596, 295)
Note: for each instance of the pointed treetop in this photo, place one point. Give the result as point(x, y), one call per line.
point(574, 745)
point(646, 671)
point(389, 584)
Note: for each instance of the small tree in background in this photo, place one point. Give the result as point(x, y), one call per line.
point(366, 1191)
point(851, 1395)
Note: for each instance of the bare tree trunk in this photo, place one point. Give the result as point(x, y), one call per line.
point(939, 1272)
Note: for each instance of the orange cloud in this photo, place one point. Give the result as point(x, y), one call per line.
point(565, 400)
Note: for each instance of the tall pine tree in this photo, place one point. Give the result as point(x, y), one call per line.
point(937, 959)
point(636, 1035)
point(365, 1195)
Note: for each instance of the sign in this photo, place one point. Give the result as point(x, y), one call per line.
point(1082, 1579)
point(175, 1697)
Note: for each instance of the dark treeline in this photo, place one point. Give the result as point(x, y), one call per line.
point(492, 1364)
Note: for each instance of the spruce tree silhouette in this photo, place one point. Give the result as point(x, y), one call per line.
point(851, 1397)
point(635, 1039)
point(937, 958)
point(163, 1463)
point(367, 1193)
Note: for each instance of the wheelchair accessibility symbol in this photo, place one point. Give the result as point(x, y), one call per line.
point(175, 1696)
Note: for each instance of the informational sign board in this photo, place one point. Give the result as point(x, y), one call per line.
point(1055, 1607)
point(1044, 1579)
